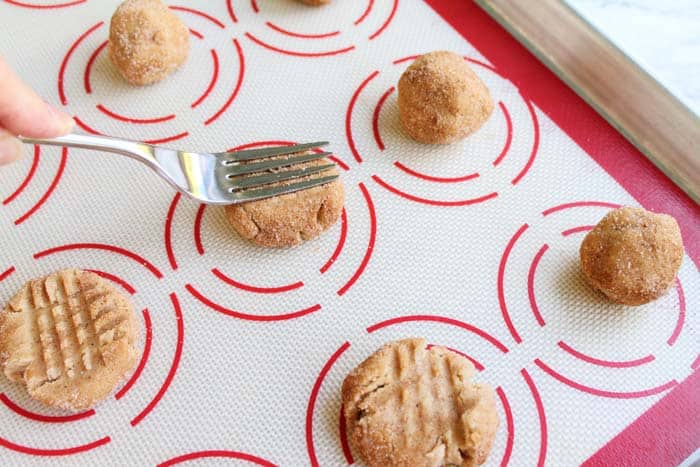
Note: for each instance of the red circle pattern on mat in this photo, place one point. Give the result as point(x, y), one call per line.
point(250, 459)
point(367, 115)
point(508, 417)
point(567, 223)
point(339, 35)
point(218, 274)
point(28, 180)
point(132, 382)
point(78, 74)
point(44, 5)
point(372, 94)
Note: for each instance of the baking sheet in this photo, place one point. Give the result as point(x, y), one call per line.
point(247, 347)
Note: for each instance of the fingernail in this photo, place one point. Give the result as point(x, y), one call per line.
point(10, 149)
point(66, 122)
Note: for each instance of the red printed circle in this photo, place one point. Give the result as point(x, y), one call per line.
point(465, 173)
point(229, 282)
point(249, 458)
point(298, 31)
point(44, 5)
point(505, 442)
point(607, 336)
point(213, 75)
point(44, 173)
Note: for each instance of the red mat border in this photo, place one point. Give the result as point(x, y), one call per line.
point(669, 432)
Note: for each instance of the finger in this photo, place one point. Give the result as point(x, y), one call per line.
point(10, 148)
point(22, 112)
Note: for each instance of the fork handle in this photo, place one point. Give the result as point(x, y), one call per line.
point(134, 149)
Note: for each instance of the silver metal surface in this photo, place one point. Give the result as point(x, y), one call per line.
point(212, 178)
point(241, 183)
point(250, 154)
point(253, 167)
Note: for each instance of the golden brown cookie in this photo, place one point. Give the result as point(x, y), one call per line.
point(69, 338)
point(409, 406)
point(288, 220)
point(441, 99)
point(315, 2)
point(147, 41)
point(632, 255)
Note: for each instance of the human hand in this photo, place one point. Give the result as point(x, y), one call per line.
point(22, 112)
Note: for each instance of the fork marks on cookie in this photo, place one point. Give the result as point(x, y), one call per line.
point(61, 334)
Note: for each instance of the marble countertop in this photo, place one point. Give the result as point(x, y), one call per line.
point(662, 37)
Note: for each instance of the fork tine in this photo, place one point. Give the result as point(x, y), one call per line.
point(252, 195)
point(251, 154)
point(274, 164)
point(251, 182)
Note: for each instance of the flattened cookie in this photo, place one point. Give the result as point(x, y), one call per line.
point(632, 255)
point(409, 406)
point(315, 2)
point(69, 338)
point(287, 220)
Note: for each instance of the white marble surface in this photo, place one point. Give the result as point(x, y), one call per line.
point(662, 36)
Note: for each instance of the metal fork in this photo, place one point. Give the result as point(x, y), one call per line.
point(215, 178)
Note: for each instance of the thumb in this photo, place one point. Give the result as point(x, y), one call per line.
point(22, 112)
point(10, 148)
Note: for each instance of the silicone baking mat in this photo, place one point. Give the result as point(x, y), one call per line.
point(473, 245)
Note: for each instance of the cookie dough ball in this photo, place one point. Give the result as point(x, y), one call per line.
point(632, 255)
point(147, 41)
point(441, 100)
point(315, 2)
point(69, 338)
point(287, 220)
point(409, 406)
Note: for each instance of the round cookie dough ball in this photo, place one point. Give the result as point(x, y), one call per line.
point(632, 255)
point(315, 2)
point(441, 100)
point(287, 220)
point(147, 41)
point(407, 405)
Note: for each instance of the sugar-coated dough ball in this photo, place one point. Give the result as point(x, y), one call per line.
point(441, 100)
point(287, 220)
point(315, 2)
point(632, 255)
point(147, 41)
